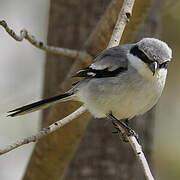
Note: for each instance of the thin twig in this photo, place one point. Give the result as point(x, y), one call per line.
point(141, 157)
point(123, 19)
point(139, 153)
point(44, 132)
point(24, 34)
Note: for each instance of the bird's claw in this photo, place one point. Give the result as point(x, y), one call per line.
point(128, 131)
point(118, 131)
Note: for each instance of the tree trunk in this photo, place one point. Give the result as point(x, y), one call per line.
point(52, 154)
point(70, 24)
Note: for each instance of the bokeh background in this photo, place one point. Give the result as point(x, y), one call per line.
point(167, 133)
point(21, 77)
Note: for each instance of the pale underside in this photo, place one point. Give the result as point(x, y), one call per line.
point(131, 93)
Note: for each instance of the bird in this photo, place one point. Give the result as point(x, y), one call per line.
point(123, 81)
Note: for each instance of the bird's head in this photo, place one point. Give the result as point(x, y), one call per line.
point(153, 52)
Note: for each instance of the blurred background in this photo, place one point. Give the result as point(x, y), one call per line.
point(21, 73)
point(21, 77)
point(166, 156)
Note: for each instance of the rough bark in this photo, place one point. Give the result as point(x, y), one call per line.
point(52, 154)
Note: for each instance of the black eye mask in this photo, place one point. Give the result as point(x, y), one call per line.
point(137, 52)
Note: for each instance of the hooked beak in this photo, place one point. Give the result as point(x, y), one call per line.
point(153, 67)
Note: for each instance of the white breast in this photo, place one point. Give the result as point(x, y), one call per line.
point(131, 93)
point(153, 84)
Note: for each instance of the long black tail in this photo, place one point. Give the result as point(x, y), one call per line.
point(40, 104)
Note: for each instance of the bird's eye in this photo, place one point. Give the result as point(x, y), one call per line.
point(164, 65)
point(154, 57)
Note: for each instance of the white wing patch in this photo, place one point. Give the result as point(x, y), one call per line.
point(91, 74)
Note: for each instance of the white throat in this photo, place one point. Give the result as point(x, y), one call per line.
point(144, 70)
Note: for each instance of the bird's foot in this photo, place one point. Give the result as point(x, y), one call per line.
point(119, 132)
point(128, 131)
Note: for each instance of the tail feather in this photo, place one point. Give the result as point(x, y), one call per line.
point(39, 105)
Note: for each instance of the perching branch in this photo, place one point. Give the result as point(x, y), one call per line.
point(141, 157)
point(138, 152)
point(123, 19)
point(53, 127)
point(24, 34)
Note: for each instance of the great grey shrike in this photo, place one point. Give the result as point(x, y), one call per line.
point(124, 81)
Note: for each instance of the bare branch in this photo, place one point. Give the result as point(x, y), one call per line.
point(101, 33)
point(24, 34)
point(123, 19)
point(44, 132)
point(141, 157)
point(139, 153)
